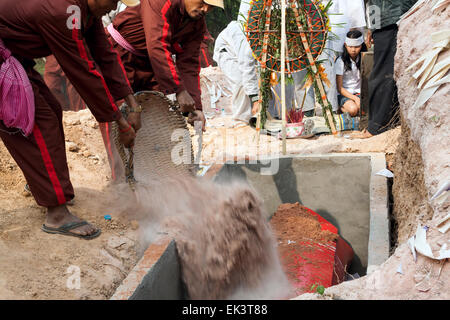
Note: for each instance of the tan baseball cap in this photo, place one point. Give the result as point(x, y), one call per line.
point(131, 3)
point(216, 3)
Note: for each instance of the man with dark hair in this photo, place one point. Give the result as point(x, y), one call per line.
point(30, 116)
point(383, 99)
point(159, 44)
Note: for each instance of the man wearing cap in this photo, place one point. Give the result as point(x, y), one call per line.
point(159, 44)
point(30, 116)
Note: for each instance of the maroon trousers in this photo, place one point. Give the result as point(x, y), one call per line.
point(42, 155)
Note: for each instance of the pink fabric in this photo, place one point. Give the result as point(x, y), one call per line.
point(121, 40)
point(16, 94)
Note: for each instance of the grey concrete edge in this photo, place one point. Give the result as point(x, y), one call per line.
point(378, 251)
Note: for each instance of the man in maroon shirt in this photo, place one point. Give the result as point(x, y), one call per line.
point(150, 36)
point(72, 31)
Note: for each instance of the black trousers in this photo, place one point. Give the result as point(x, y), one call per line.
point(383, 99)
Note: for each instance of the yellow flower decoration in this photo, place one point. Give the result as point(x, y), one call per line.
point(273, 79)
point(324, 76)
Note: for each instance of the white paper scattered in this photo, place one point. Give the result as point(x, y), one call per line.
point(442, 189)
point(217, 124)
point(438, 4)
point(214, 97)
point(429, 90)
point(385, 173)
point(399, 269)
point(413, 249)
point(289, 241)
point(228, 88)
point(224, 93)
point(444, 224)
point(422, 246)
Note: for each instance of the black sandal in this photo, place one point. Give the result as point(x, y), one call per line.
point(65, 230)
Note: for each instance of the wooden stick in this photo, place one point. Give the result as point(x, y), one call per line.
point(263, 65)
point(283, 67)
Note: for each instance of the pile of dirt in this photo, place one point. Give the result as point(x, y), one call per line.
point(294, 222)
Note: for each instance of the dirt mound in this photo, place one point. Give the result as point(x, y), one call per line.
point(410, 195)
point(293, 221)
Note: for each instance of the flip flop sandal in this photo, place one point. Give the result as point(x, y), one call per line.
point(65, 230)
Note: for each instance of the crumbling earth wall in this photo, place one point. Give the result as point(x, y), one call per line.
point(421, 168)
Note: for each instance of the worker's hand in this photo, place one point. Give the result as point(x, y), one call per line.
point(134, 118)
point(369, 40)
point(185, 101)
point(197, 116)
point(127, 134)
point(256, 108)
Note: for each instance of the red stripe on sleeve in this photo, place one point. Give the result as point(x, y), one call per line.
point(83, 54)
point(205, 57)
point(165, 45)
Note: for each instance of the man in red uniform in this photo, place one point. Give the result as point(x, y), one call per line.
point(149, 35)
point(72, 31)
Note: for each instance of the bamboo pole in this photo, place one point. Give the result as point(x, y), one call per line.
point(263, 66)
point(283, 67)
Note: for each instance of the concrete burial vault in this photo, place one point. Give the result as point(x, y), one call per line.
point(342, 188)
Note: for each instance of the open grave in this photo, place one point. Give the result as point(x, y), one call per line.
point(358, 209)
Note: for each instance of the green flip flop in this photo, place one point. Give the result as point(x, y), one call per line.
point(65, 230)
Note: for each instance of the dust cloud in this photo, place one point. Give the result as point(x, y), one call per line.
point(226, 246)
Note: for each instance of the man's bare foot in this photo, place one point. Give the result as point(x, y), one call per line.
point(362, 135)
point(60, 215)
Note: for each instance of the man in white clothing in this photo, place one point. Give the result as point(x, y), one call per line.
point(234, 57)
